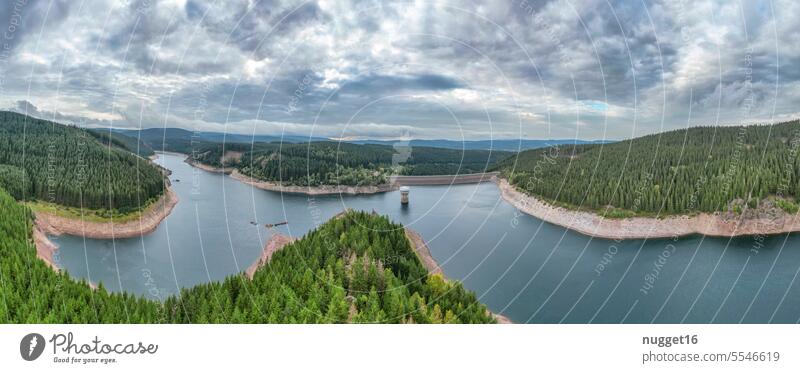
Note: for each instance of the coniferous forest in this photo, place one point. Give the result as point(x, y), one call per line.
point(131, 144)
point(338, 163)
point(43, 160)
point(701, 169)
point(357, 268)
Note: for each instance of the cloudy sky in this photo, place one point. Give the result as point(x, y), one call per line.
point(423, 69)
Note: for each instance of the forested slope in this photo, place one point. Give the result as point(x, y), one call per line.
point(338, 163)
point(701, 169)
point(69, 166)
point(131, 144)
point(438, 161)
point(357, 268)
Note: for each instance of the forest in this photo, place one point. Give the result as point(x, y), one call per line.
point(314, 161)
point(700, 169)
point(338, 163)
point(357, 268)
point(439, 161)
point(131, 144)
point(51, 162)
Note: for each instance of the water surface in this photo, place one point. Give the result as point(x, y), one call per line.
point(520, 266)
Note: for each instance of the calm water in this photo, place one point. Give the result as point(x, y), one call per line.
point(518, 265)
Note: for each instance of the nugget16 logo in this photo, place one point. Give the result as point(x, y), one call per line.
point(31, 346)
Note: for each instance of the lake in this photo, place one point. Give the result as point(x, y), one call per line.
point(520, 266)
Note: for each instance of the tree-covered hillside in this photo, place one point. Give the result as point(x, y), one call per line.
point(163, 139)
point(702, 169)
point(338, 163)
point(67, 165)
point(438, 161)
point(131, 144)
point(357, 268)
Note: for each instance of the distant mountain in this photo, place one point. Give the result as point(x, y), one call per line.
point(233, 137)
point(505, 145)
point(176, 137)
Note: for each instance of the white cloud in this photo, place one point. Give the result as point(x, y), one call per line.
point(489, 65)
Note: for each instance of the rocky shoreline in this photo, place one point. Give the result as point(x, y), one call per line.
point(295, 189)
point(205, 167)
point(394, 183)
point(55, 225)
point(591, 224)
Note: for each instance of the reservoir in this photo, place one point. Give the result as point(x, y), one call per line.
point(520, 266)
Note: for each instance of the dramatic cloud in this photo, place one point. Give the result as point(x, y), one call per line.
point(538, 69)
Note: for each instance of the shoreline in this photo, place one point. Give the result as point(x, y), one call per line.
point(45, 249)
point(395, 181)
point(279, 240)
point(45, 224)
point(593, 225)
point(203, 166)
point(583, 222)
point(420, 248)
point(275, 243)
point(50, 224)
point(292, 189)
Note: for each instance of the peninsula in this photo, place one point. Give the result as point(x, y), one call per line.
point(389, 182)
point(665, 185)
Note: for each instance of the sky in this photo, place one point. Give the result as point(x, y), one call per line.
point(403, 69)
